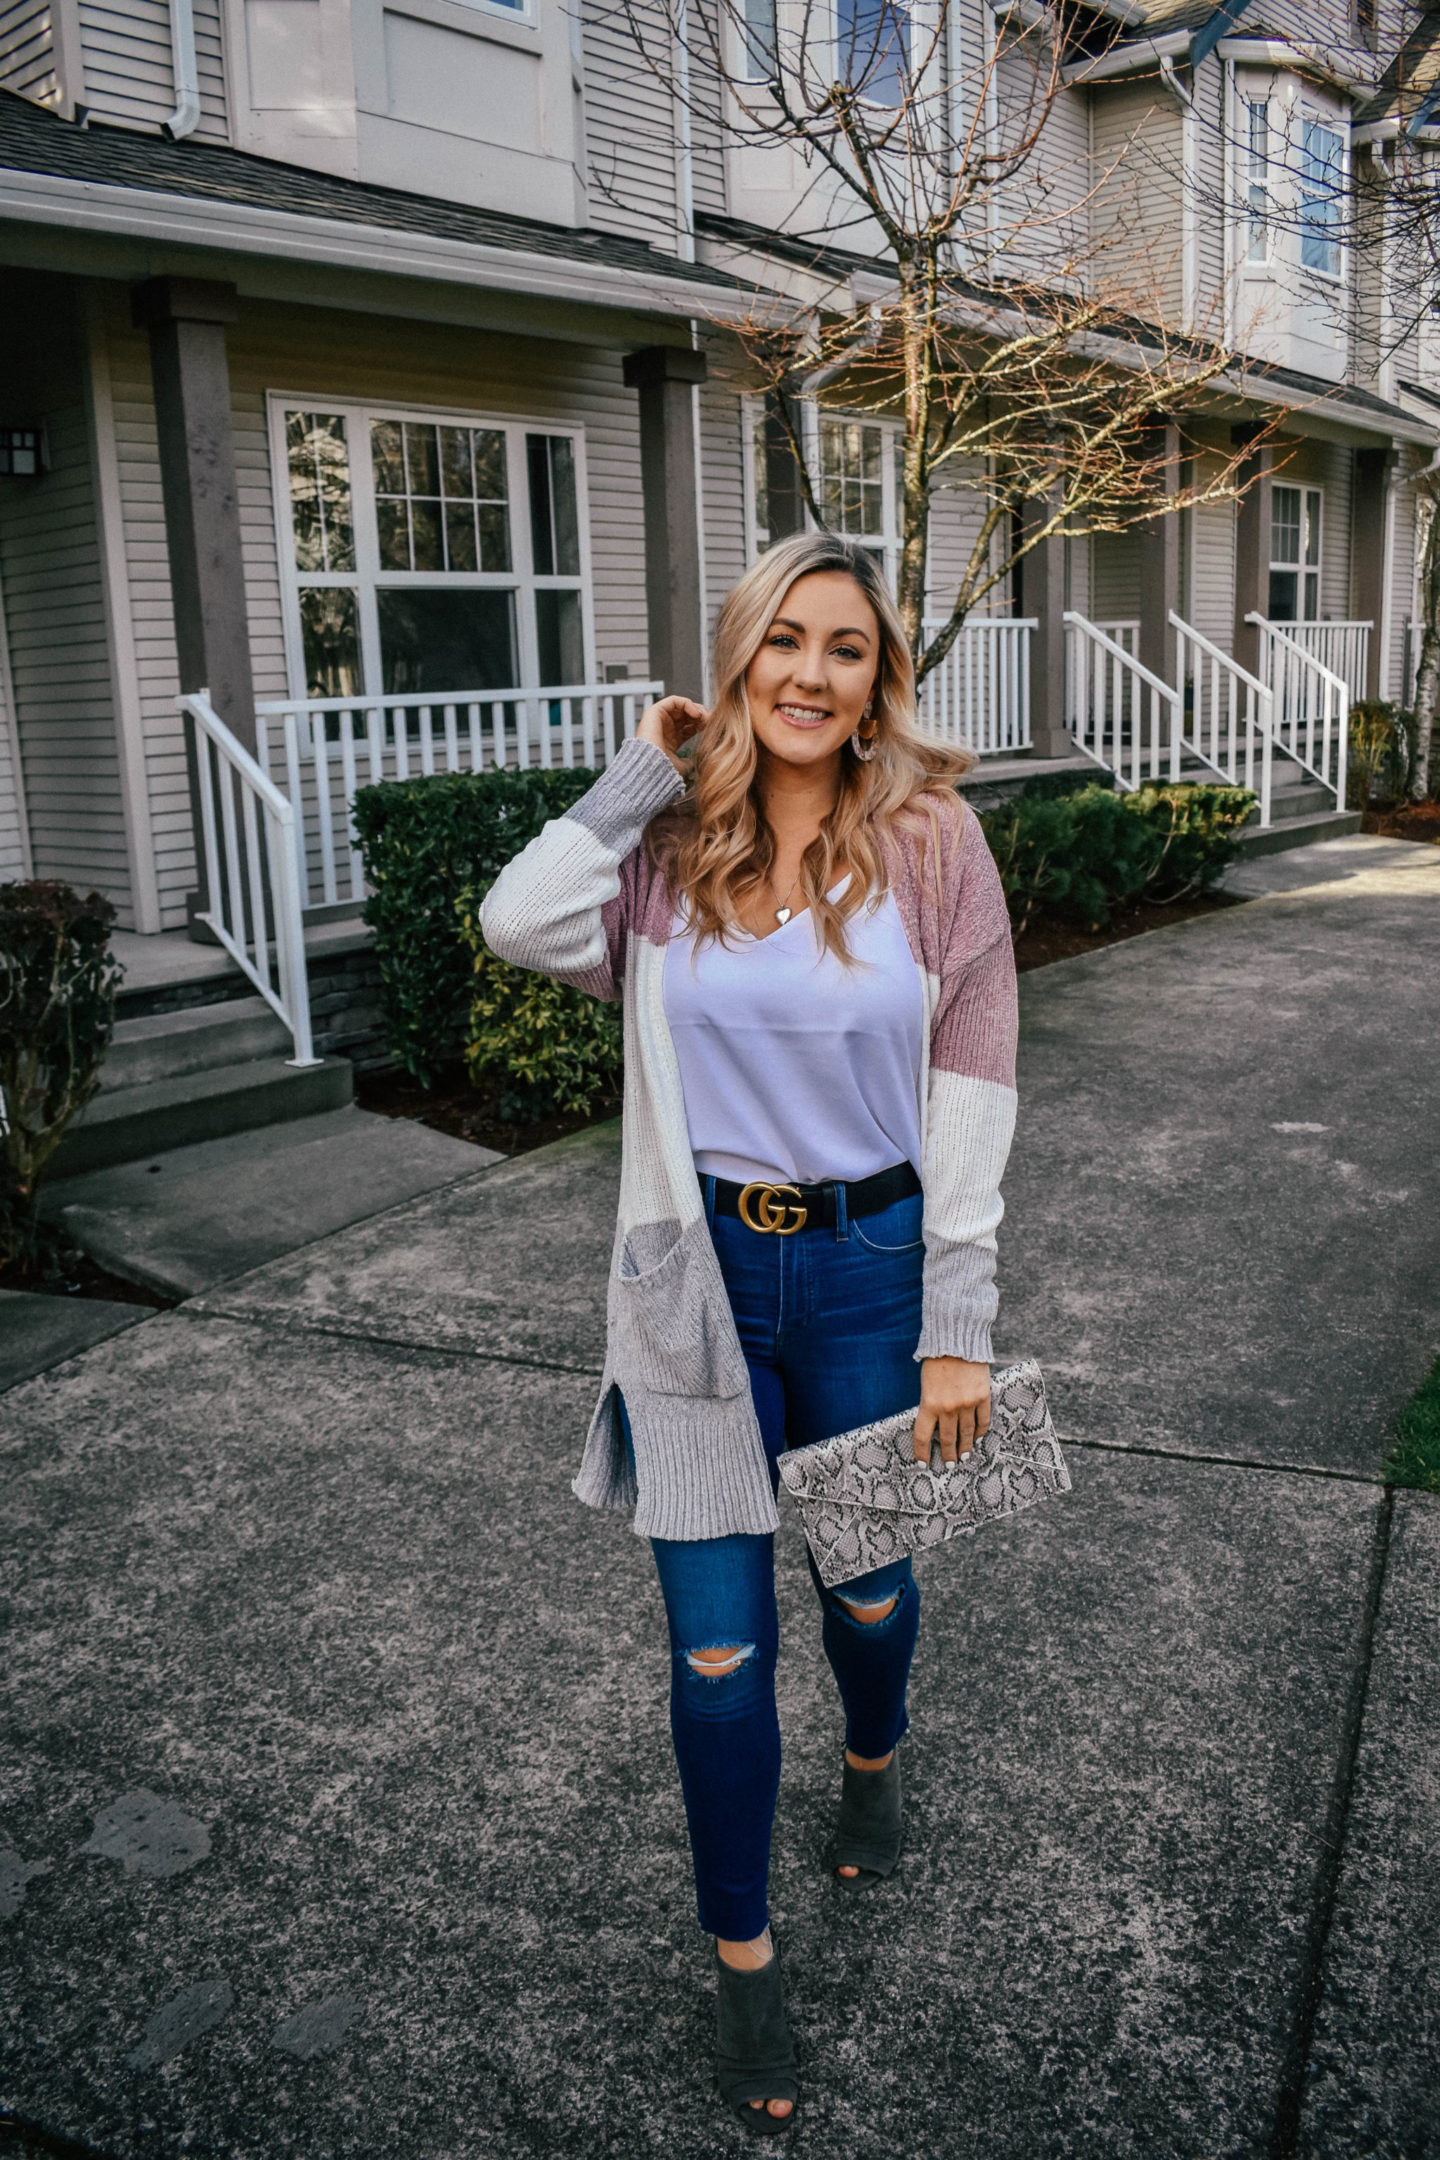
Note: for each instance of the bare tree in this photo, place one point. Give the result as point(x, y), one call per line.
point(949, 264)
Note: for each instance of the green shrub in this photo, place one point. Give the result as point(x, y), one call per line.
point(556, 1051)
point(424, 843)
point(1380, 753)
point(58, 980)
point(1079, 855)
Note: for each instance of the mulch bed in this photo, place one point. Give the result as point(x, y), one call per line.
point(465, 1112)
point(62, 1270)
point(1405, 821)
point(1049, 940)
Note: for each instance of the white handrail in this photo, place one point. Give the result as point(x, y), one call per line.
point(1342, 647)
point(1231, 707)
point(979, 694)
point(1309, 700)
point(248, 837)
point(330, 747)
point(1106, 707)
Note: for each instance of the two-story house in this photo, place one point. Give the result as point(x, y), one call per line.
point(364, 363)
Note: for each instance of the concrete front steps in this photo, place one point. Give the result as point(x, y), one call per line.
point(173, 1079)
point(1298, 811)
point(1301, 811)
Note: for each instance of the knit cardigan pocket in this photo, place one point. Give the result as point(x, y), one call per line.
point(673, 1330)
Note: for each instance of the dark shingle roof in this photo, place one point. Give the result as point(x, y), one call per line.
point(1407, 87)
point(37, 141)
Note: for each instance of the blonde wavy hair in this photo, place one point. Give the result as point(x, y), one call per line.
point(715, 846)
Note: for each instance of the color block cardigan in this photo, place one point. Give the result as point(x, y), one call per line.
point(584, 902)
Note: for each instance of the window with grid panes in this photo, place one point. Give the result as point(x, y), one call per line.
point(1295, 515)
point(861, 483)
point(433, 556)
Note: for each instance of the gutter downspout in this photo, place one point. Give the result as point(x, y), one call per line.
point(1189, 297)
point(1230, 195)
point(684, 147)
point(186, 116)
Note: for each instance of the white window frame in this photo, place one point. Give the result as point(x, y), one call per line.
point(368, 576)
point(886, 544)
point(1336, 124)
point(1301, 569)
point(1257, 209)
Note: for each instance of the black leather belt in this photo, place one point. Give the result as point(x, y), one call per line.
point(784, 1209)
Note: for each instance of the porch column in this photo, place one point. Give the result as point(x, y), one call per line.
point(1252, 548)
point(665, 376)
point(1370, 551)
point(186, 319)
point(1042, 594)
point(1160, 564)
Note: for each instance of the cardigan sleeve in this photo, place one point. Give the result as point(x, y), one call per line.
point(970, 1111)
point(558, 906)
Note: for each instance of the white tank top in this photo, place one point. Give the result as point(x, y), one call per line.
point(796, 1067)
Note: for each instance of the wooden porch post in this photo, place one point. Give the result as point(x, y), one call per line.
point(1252, 549)
point(1042, 595)
point(1370, 551)
point(665, 376)
point(186, 319)
point(1160, 566)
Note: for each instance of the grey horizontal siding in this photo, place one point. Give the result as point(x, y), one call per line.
point(723, 494)
point(27, 51)
point(629, 125)
point(60, 671)
point(14, 850)
point(129, 66)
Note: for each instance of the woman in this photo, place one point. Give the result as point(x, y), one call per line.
point(813, 950)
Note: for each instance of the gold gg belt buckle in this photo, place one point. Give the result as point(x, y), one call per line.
point(772, 1214)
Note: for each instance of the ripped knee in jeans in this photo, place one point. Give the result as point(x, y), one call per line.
point(869, 1611)
point(718, 1661)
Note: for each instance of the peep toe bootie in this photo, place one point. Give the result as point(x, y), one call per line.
point(754, 2053)
point(867, 1835)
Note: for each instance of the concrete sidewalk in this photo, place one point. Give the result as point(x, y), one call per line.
point(400, 1865)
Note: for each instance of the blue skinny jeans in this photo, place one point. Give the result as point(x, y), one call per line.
point(828, 1320)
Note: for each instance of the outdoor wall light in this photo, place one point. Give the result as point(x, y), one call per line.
point(24, 452)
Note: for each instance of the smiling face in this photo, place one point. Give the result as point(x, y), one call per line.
point(816, 667)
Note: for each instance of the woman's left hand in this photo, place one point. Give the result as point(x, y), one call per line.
point(955, 1402)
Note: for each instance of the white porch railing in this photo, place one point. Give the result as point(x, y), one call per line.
point(1120, 714)
point(1341, 647)
point(1124, 633)
point(320, 750)
point(1228, 715)
point(248, 833)
point(1311, 705)
point(979, 695)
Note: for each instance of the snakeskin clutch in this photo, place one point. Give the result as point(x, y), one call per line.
point(864, 1500)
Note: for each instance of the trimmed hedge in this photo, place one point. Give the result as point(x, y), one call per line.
point(557, 1051)
point(426, 843)
point(1079, 855)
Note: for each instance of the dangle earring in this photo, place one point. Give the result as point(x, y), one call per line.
point(863, 742)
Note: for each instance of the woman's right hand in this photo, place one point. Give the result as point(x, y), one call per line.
point(670, 723)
